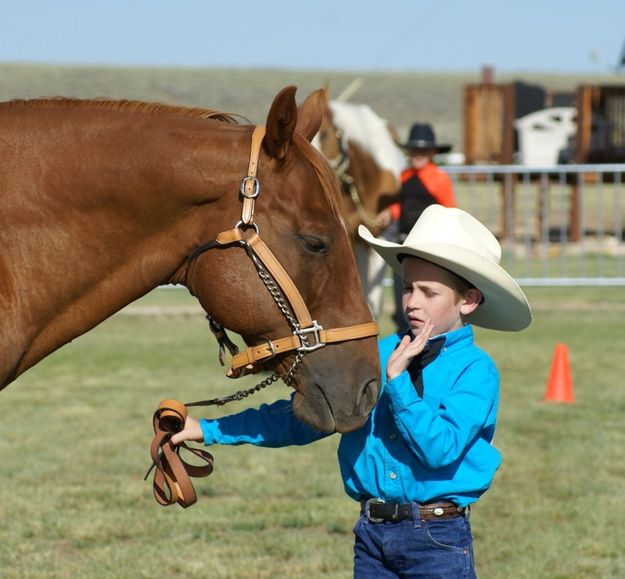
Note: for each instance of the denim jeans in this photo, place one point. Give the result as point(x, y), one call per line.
point(414, 548)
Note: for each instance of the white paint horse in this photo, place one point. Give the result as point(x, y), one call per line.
point(361, 146)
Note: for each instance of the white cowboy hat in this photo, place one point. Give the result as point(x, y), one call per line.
point(455, 240)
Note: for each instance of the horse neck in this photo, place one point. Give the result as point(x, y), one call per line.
point(112, 211)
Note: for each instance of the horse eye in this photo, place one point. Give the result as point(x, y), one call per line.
point(314, 244)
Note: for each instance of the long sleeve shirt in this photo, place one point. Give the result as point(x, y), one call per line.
point(411, 448)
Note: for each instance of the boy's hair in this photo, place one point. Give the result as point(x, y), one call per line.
point(458, 283)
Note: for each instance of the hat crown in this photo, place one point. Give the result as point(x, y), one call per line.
point(421, 136)
point(421, 132)
point(455, 228)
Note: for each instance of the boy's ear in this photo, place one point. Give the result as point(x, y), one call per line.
point(472, 299)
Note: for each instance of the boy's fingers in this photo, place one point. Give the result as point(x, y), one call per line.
point(401, 347)
point(191, 431)
point(178, 438)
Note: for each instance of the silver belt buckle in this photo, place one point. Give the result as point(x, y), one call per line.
point(368, 513)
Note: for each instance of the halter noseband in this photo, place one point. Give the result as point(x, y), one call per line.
point(308, 335)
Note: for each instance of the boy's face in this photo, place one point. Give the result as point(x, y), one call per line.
point(429, 294)
point(419, 158)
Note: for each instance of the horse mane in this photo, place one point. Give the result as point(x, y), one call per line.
point(141, 107)
point(327, 176)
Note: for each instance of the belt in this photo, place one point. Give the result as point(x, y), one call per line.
point(379, 511)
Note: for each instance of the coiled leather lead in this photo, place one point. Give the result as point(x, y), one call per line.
point(172, 477)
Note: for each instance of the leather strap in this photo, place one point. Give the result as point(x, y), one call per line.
point(172, 477)
point(378, 511)
point(282, 279)
point(250, 187)
point(268, 350)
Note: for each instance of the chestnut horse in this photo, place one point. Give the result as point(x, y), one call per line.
point(361, 147)
point(102, 201)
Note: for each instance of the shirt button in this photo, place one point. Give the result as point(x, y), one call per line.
point(393, 475)
point(393, 436)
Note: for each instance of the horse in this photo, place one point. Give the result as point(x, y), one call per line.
point(361, 146)
point(102, 200)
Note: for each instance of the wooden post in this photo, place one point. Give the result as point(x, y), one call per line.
point(508, 186)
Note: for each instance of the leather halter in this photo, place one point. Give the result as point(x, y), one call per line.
point(341, 168)
point(308, 335)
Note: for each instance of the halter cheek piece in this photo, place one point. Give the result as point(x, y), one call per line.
point(341, 168)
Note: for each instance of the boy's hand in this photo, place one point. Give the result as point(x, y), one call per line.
point(191, 431)
point(384, 218)
point(407, 350)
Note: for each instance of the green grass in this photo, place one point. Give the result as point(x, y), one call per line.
point(75, 433)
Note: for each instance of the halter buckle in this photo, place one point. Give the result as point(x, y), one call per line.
point(311, 331)
point(255, 187)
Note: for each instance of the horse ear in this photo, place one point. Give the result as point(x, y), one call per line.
point(310, 114)
point(281, 122)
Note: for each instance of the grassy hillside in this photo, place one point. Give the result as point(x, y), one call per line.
point(402, 98)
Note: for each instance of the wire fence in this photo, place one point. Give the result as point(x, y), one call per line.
point(560, 225)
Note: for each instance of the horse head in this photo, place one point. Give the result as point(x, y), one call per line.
point(292, 204)
point(361, 148)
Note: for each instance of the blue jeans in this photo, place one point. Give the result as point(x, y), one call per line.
point(414, 548)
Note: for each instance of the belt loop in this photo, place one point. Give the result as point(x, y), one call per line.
point(416, 515)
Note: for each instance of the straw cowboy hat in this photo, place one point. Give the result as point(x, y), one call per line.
point(455, 240)
point(421, 137)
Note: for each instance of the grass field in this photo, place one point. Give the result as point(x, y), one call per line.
point(75, 432)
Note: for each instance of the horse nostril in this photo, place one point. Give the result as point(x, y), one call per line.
point(368, 397)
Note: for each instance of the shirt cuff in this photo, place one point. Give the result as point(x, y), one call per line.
point(402, 392)
point(210, 431)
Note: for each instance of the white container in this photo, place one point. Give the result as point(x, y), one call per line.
point(543, 134)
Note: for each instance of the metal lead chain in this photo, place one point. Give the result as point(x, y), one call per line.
point(241, 394)
point(276, 294)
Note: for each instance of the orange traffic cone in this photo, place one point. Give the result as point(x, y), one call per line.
point(560, 384)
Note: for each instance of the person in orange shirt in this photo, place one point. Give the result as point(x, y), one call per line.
point(422, 184)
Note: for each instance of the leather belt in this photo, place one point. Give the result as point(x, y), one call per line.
point(379, 511)
point(172, 478)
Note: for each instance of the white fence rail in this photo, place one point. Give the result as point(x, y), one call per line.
point(560, 225)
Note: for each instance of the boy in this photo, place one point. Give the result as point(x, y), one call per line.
point(425, 453)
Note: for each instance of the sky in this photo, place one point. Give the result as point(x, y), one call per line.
point(560, 36)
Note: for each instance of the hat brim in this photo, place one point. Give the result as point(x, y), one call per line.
point(505, 306)
point(415, 147)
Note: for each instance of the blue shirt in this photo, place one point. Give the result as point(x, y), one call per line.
point(410, 448)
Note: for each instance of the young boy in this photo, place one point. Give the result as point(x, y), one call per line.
point(425, 453)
